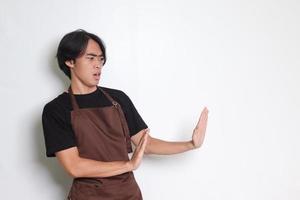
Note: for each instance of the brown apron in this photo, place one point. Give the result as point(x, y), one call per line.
point(102, 134)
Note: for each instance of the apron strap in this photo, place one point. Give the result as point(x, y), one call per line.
point(108, 96)
point(122, 118)
point(73, 100)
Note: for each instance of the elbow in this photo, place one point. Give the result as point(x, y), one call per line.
point(71, 162)
point(74, 170)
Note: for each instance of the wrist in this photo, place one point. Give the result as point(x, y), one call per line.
point(190, 145)
point(129, 166)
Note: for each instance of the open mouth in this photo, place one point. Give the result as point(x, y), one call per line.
point(96, 74)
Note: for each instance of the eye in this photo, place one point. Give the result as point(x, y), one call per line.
point(90, 58)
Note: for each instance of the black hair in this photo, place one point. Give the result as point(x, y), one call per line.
point(73, 45)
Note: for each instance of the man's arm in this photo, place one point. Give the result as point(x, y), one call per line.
point(77, 166)
point(161, 147)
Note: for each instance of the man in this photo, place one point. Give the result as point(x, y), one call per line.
point(90, 128)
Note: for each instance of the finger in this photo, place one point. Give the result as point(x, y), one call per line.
point(142, 140)
point(200, 119)
point(138, 147)
point(143, 147)
point(203, 117)
point(147, 130)
point(143, 135)
point(205, 111)
point(144, 130)
point(139, 151)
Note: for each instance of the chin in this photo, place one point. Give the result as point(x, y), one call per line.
point(96, 83)
point(92, 84)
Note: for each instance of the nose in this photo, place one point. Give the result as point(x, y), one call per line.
point(98, 64)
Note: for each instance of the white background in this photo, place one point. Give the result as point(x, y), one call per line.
point(239, 58)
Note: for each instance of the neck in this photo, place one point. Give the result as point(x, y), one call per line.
point(79, 88)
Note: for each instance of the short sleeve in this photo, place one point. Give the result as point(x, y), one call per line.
point(134, 120)
point(58, 133)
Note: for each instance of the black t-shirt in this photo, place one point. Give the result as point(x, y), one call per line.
point(56, 117)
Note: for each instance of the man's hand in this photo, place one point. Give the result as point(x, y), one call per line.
point(200, 129)
point(139, 151)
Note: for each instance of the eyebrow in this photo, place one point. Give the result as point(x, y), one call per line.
point(92, 54)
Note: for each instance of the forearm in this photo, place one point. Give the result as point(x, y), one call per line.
point(161, 147)
point(91, 168)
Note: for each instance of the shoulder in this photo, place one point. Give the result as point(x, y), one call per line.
point(116, 93)
point(59, 104)
point(120, 96)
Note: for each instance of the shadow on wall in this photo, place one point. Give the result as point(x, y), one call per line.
point(56, 175)
point(55, 172)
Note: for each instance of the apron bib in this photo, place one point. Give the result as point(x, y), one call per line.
point(102, 134)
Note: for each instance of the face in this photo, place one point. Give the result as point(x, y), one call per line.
point(86, 69)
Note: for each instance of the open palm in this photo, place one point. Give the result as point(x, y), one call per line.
point(200, 129)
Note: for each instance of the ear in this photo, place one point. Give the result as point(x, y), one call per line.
point(70, 63)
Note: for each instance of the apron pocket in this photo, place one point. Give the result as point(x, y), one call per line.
point(84, 188)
